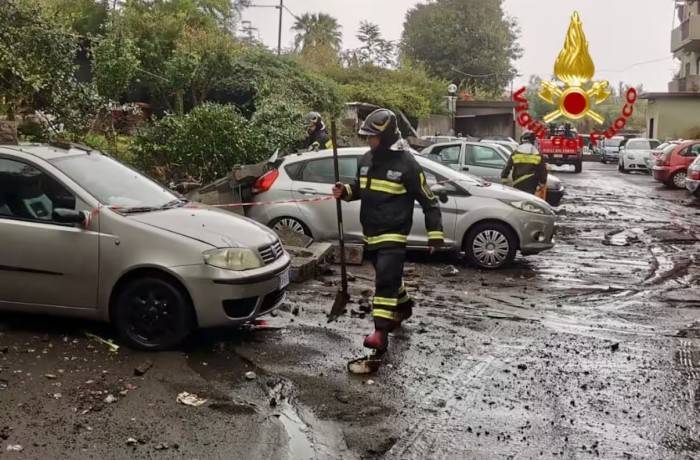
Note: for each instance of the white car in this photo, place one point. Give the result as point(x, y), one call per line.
point(489, 222)
point(635, 155)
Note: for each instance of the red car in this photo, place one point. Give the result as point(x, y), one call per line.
point(671, 167)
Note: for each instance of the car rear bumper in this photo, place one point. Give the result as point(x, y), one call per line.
point(226, 298)
point(564, 160)
point(554, 197)
point(661, 173)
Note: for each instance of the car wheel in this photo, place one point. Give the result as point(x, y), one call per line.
point(152, 313)
point(678, 180)
point(289, 224)
point(604, 161)
point(578, 167)
point(490, 245)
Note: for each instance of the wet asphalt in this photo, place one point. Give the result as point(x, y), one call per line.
point(591, 350)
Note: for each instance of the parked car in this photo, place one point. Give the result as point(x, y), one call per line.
point(505, 141)
point(85, 236)
point(635, 154)
point(489, 222)
point(658, 151)
point(672, 167)
point(485, 161)
point(610, 149)
point(692, 182)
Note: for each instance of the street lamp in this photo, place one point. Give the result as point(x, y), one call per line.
point(452, 105)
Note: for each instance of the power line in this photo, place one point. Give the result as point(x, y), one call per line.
point(631, 66)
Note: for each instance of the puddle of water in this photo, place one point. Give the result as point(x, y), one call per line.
point(300, 446)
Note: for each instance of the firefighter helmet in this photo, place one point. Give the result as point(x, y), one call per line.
point(313, 120)
point(528, 136)
point(381, 123)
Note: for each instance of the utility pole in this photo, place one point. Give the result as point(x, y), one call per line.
point(279, 33)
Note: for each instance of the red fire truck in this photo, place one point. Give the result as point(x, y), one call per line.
point(562, 146)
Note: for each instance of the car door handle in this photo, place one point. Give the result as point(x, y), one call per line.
point(308, 191)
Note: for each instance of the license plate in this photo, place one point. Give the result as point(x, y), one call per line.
point(558, 156)
point(284, 279)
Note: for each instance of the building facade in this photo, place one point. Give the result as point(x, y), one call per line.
point(676, 114)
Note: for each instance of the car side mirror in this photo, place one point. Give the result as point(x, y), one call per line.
point(68, 216)
point(441, 192)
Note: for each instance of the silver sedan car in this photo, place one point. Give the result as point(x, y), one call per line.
point(85, 236)
point(488, 222)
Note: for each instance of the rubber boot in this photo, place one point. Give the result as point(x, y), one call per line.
point(405, 312)
point(379, 340)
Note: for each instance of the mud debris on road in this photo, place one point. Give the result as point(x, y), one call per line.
point(591, 350)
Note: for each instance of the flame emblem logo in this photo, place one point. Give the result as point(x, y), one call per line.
point(574, 91)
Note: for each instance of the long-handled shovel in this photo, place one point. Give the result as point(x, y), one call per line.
point(342, 298)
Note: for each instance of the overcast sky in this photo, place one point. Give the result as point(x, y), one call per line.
point(624, 35)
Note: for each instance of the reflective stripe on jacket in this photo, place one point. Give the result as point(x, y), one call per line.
point(528, 169)
point(389, 183)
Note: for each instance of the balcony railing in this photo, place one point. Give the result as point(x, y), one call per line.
point(686, 35)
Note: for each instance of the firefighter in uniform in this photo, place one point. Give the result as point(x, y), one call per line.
point(527, 165)
point(389, 181)
point(317, 137)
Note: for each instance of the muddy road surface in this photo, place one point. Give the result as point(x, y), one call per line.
point(591, 350)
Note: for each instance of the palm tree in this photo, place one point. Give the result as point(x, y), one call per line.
point(317, 31)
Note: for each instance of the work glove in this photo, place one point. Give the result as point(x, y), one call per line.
point(338, 190)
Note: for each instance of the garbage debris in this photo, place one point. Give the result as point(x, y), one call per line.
point(113, 347)
point(449, 272)
point(614, 347)
point(131, 442)
point(189, 399)
point(51, 376)
point(110, 399)
point(250, 375)
point(15, 448)
point(142, 368)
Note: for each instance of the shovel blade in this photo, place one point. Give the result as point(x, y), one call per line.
point(339, 306)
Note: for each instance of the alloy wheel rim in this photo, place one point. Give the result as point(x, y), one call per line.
point(679, 179)
point(491, 248)
point(291, 225)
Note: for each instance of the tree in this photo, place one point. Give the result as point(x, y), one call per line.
point(317, 31)
point(375, 50)
point(456, 37)
point(36, 57)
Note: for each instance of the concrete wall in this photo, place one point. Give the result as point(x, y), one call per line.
point(674, 118)
point(430, 126)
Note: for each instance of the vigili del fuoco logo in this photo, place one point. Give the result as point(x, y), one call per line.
point(574, 94)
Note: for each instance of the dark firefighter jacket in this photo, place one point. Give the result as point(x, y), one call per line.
point(389, 183)
point(318, 140)
point(528, 167)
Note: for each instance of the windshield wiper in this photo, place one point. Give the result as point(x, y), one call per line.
point(136, 210)
point(174, 204)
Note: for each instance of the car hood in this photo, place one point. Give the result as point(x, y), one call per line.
point(217, 228)
point(502, 192)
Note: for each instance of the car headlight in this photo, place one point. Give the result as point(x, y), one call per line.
point(237, 259)
point(527, 206)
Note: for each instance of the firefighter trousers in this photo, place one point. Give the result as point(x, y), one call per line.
point(391, 303)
